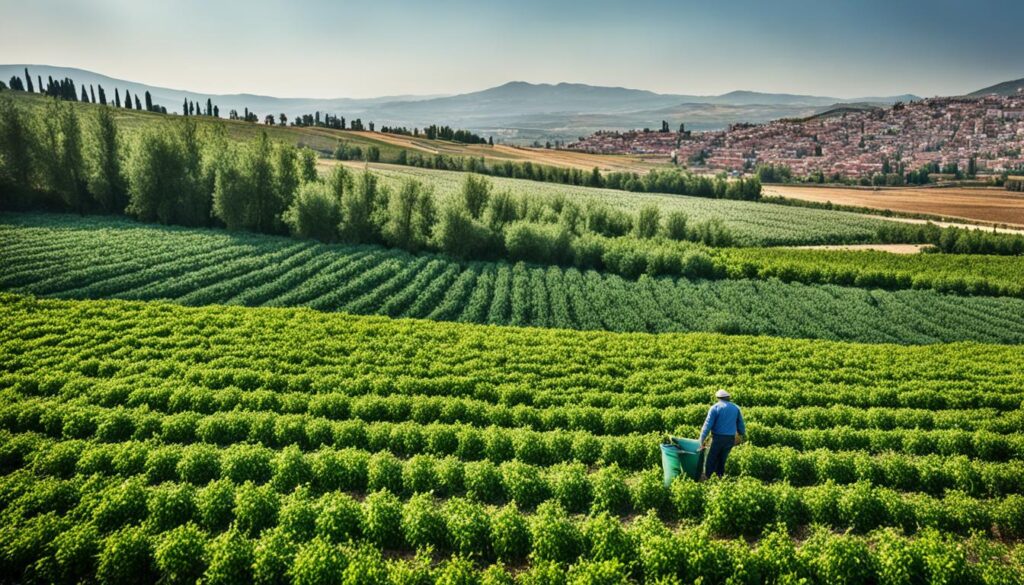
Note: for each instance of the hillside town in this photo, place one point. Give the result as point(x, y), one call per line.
point(983, 134)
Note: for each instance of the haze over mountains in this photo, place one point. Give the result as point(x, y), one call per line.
point(516, 111)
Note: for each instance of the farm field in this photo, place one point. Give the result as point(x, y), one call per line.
point(753, 224)
point(502, 152)
point(69, 257)
point(993, 206)
point(141, 440)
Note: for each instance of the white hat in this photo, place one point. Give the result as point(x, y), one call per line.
point(722, 394)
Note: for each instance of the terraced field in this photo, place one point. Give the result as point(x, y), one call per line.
point(753, 224)
point(87, 258)
point(145, 441)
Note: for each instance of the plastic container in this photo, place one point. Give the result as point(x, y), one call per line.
point(681, 456)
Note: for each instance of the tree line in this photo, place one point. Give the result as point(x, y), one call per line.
point(176, 174)
point(672, 181)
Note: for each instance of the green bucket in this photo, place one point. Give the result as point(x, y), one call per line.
point(681, 456)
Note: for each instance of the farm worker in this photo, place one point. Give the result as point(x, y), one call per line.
point(724, 426)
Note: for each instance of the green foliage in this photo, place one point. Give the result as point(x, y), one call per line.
point(230, 560)
point(126, 557)
point(555, 537)
point(382, 519)
point(179, 555)
point(315, 213)
point(422, 522)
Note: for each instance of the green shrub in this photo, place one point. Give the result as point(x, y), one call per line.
point(256, 508)
point(570, 486)
point(244, 463)
point(510, 535)
point(382, 519)
point(366, 566)
point(199, 464)
point(840, 559)
point(648, 493)
point(605, 539)
point(340, 470)
point(422, 522)
point(606, 572)
point(230, 560)
point(290, 470)
point(120, 505)
point(180, 555)
point(384, 472)
point(861, 509)
point(687, 498)
point(298, 515)
point(162, 464)
point(555, 537)
point(340, 518)
point(216, 505)
point(483, 482)
point(126, 557)
point(523, 483)
point(75, 553)
point(171, 505)
point(468, 527)
point(610, 491)
point(318, 562)
point(741, 507)
point(418, 474)
point(273, 557)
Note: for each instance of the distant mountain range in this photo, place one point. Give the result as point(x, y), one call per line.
point(516, 111)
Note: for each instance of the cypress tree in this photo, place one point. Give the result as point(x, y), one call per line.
point(39, 78)
point(117, 98)
point(85, 95)
point(216, 112)
point(209, 107)
point(191, 108)
point(92, 94)
point(149, 102)
point(103, 96)
point(28, 81)
point(127, 99)
point(138, 104)
point(184, 107)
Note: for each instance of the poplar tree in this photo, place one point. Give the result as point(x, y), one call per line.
point(106, 182)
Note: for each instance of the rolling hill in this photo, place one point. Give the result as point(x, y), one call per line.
point(516, 112)
point(1004, 88)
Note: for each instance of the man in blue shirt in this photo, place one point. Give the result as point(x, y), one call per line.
point(723, 424)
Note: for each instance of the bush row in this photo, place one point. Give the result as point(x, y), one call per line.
point(229, 534)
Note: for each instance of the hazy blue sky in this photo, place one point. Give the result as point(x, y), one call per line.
point(320, 48)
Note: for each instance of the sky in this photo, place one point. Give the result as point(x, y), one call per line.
point(341, 48)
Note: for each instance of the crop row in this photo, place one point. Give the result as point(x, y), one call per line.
point(261, 537)
point(204, 267)
point(152, 353)
point(509, 407)
point(928, 473)
point(74, 420)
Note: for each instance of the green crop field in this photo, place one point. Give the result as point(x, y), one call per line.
point(70, 257)
point(752, 223)
point(144, 441)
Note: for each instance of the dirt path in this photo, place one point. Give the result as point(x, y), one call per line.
point(891, 248)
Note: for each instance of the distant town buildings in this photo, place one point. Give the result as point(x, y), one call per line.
point(848, 142)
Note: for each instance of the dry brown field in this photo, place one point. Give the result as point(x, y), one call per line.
point(975, 204)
